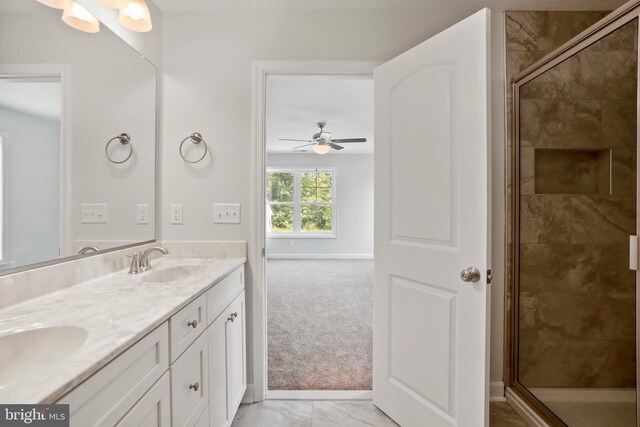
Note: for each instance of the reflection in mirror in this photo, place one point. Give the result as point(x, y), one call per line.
point(64, 95)
point(577, 208)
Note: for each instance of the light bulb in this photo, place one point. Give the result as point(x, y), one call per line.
point(321, 148)
point(80, 18)
point(56, 4)
point(135, 16)
point(114, 4)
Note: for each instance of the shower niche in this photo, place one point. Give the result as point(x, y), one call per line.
point(574, 299)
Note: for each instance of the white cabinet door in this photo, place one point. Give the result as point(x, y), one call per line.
point(227, 363)
point(154, 409)
point(189, 388)
point(431, 332)
point(236, 354)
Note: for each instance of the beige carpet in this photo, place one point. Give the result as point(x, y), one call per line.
point(319, 324)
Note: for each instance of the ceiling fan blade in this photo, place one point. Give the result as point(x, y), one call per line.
point(334, 146)
point(305, 145)
point(297, 140)
point(347, 140)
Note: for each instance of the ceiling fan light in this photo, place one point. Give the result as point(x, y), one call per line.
point(56, 4)
point(114, 4)
point(80, 18)
point(135, 16)
point(321, 148)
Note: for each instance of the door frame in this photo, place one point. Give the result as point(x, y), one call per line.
point(528, 404)
point(257, 391)
point(60, 71)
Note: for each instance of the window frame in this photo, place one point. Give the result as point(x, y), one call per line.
point(297, 204)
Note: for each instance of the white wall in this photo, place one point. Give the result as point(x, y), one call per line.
point(109, 90)
point(31, 149)
point(207, 87)
point(354, 207)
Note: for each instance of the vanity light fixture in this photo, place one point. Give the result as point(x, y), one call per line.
point(321, 148)
point(80, 18)
point(56, 4)
point(135, 16)
point(114, 4)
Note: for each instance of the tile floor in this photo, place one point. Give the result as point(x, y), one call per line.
point(328, 413)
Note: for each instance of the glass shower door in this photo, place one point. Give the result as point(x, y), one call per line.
point(576, 208)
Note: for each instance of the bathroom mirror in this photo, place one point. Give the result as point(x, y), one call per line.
point(64, 94)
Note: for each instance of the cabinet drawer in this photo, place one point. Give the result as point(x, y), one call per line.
point(108, 395)
point(224, 292)
point(186, 325)
point(189, 384)
point(154, 409)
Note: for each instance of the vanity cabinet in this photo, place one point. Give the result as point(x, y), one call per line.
point(188, 372)
point(227, 363)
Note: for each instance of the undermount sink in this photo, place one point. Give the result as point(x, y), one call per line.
point(33, 350)
point(174, 274)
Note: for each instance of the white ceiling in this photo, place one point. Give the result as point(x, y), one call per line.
point(296, 103)
point(426, 5)
point(42, 99)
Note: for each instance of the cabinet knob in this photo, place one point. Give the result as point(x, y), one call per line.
point(234, 314)
point(193, 324)
point(195, 386)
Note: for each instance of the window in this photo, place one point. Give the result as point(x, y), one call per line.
point(301, 203)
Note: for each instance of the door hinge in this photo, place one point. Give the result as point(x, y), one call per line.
point(489, 277)
point(262, 253)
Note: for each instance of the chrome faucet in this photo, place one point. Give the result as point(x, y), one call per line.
point(88, 249)
point(145, 264)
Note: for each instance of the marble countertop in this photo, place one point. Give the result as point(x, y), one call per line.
point(116, 310)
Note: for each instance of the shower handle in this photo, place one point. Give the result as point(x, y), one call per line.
point(470, 274)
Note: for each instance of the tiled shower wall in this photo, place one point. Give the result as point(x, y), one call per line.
point(577, 300)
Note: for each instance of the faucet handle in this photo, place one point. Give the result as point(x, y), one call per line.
point(135, 262)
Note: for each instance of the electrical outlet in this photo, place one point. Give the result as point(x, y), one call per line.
point(142, 214)
point(94, 213)
point(226, 213)
point(176, 214)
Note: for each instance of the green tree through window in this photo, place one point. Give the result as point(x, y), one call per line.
point(300, 201)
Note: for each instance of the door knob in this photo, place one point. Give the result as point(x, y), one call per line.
point(470, 274)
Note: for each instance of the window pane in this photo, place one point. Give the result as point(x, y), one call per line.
point(316, 186)
point(280, 187)
point(281, 218)
point(316, 219)
point(308, 194)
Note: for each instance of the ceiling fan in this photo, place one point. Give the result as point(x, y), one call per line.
point(322, 141)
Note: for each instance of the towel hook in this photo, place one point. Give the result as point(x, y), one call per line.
point(124, 139)
point(195, 138)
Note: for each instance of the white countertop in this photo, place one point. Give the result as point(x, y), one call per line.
point(116, 310)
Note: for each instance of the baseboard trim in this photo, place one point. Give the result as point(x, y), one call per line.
point(585, 395)
point(524, 410)
point(319, 256)
point(319, 394)
point(248, 395)
point(496, 391)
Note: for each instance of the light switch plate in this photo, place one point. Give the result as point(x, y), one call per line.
point(176, 214)
point(226, 213)
point(94, 213)
point(142, 214)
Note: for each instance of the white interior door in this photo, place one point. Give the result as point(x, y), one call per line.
point(431, 335)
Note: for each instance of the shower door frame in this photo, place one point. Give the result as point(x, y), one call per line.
point(612, 22)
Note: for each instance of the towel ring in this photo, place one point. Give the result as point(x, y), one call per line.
point(124, 139)
point(196, 138)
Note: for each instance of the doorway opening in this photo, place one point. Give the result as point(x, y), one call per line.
point(319, 234)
